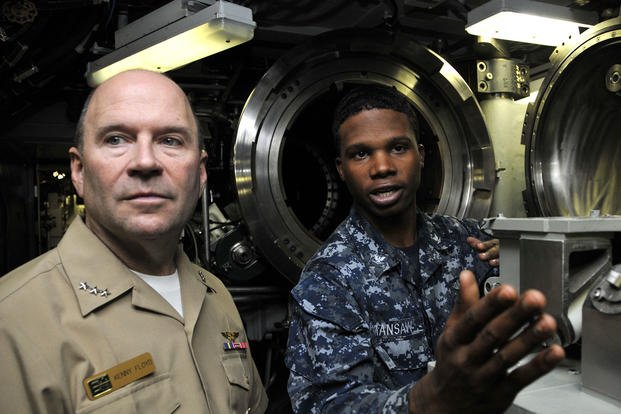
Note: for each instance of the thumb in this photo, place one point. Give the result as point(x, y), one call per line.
point(468, 296)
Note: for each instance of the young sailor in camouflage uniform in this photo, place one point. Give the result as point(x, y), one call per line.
point(372, 304)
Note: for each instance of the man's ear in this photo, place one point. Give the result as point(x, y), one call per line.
point(339, 167)
point(77, 170)
point(203, 171)
point(421, 151)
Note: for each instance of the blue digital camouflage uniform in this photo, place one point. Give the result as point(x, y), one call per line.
point(365, 316)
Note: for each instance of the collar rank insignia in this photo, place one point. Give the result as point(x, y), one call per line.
point(204, 282)
point(104, 293)
point(231, 345)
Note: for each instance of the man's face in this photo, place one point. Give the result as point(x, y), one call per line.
point(380, 162)
point(140, 171)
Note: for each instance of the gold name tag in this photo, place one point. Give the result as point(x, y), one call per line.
point(118, 376)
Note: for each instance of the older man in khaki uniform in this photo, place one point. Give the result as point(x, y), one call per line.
point(116, 318)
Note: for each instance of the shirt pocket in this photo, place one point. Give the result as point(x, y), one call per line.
point(237, 373)
point(404, 354)
point(152, 395)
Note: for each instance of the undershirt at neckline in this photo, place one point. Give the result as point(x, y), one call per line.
point(167, 286)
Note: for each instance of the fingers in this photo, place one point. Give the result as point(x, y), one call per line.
point(472, 241)
point(491, 253)
point(468, 290)
point(516, 349)
point(488, 250)
point(471, 314)
point(506, 386)
point(478, 351)
point(482, 245)
point(541, 364)
point(505, 325)
point(468, 296)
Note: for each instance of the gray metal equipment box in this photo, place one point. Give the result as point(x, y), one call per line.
point(569, 259)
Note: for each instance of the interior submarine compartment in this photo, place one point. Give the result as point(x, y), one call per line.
point(571, 132)
point(570, 245)
point(289, 192)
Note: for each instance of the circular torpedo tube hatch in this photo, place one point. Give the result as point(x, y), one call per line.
point(571, 131)
point(289, 192)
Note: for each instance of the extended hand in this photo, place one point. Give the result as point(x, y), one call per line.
point(476, 350)
point(488, 250)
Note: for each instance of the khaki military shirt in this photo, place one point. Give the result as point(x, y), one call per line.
point(77, 312)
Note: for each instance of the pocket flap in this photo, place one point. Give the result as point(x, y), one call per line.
point(236, 372)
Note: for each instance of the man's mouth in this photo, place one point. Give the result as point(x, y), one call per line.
point(147, 199)
point(146, 196)
point(385, 195)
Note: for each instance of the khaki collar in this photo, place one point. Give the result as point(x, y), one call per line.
point(98, 277)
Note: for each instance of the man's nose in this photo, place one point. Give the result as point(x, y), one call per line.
point(144, 158)
point(382, 165)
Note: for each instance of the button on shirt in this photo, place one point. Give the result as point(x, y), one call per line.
point(366, 317)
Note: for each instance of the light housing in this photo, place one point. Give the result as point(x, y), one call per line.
point(528, 21)
point(172, 36)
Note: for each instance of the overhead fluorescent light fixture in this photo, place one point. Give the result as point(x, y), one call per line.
point(174, 35)
point(528, 21)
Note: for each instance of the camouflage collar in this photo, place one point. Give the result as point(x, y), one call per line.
point(382, 258)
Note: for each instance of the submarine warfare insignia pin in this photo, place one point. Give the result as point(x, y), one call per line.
point(231, 345)
point(230, 336)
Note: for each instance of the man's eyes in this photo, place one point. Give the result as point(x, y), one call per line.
point(360, 154)
point(400, 148)
point(115, 140)
point(171, 141)
point(395, 149)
